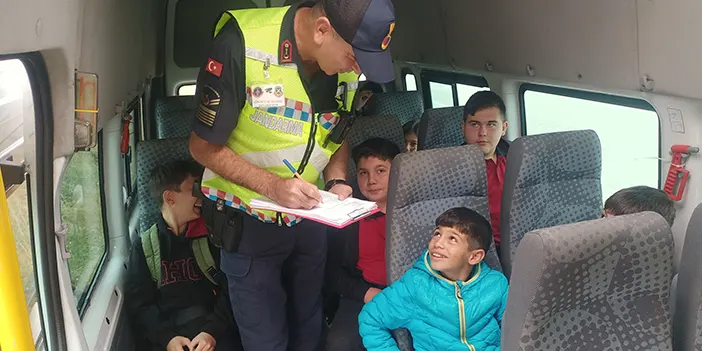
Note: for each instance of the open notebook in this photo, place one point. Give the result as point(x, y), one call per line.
point(332, 211)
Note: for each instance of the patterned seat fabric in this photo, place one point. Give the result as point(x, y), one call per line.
point(406, 105)
point(440, 127)
point(551, 179)
point(597, 285)
point(173, 115)
point(422, 186)
point(366, 127)
point(687, 323)
point(151, 153)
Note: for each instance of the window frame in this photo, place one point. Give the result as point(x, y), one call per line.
point(84, 302)
point(451, 79)
point(41, 213)
point(589, 96)
point(135, 109)
point(403, 77)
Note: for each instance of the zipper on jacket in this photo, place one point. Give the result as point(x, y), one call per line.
point(310, 145)
point(462, 316)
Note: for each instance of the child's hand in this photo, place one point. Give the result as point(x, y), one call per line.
point(370, 294)
point(177, 343)
point(204, 342)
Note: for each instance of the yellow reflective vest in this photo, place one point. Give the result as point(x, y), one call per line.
point(266, 136)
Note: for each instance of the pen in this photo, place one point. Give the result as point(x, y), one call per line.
point(292, 169)
point(297, 175)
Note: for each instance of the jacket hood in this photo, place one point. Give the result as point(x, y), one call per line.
point(424, 264)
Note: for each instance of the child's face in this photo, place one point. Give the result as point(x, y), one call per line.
point(373, 175)
point(184, 206)
point(450, 252)
point(485, 129)
point(411, 142)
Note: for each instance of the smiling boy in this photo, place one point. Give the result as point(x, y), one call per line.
point(450, 299)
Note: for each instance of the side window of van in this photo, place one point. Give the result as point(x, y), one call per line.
point(629, 130)
point(443, 89)
point(82, 212)
point(16, 146)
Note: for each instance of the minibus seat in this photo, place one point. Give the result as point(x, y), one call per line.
point(151, 153)
point(173, 115)
point(366, 127)
point(406, 105)
point(423, 185)
point(602, 284)
point(687, 321)
point(551, 179)
point(440, 127)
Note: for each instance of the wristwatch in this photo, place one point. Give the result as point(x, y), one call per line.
point(330, 184)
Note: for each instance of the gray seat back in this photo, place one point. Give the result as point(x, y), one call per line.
point(366, 127)
point(173, 116)
point(440, 127)
point(406, 105)
point(551, 179)
point(423, 185)
point(151, 153)
point(597, 285)
point(687, 323)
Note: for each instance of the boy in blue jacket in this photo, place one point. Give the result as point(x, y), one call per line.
point(449, 299)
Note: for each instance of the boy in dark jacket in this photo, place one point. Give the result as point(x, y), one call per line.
point(450, 299)
point(356, 261)
point(174, 296)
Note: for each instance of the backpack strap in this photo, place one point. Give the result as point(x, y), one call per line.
point(204, 259)
point(152, 252)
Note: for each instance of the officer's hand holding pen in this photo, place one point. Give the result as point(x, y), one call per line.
point(295, 192)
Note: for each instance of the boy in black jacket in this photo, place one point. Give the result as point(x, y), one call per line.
point(356, 260)
point(173, 294)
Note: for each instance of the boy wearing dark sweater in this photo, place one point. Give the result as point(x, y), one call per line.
point(175, 298)
point(356, 261)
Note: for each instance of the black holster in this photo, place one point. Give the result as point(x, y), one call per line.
point(224, 223)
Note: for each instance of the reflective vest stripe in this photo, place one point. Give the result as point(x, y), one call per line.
point(258, 55)
point(267, 159)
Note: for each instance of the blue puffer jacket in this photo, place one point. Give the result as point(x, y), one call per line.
point(439, 313)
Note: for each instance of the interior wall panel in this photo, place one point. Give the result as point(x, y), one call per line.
point(670, 44)
point(588, 42)
point(419, 35)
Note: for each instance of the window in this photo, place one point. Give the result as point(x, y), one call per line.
point(629, 130)
point(449, 89)
point(16, 121)
point(82, 212)
point(185, 90)
point(410, 82)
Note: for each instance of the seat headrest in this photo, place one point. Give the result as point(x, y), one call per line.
point(440, 127)
point(423, 185)
point(149, 154)
point(406, 105)
point(173, 116)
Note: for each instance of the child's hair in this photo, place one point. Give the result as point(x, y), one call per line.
point(482, 100)
point(469, 223)
point(378, 147)
point(171, 175)
point(410, 127)
point(371, 86)
point(639, 199)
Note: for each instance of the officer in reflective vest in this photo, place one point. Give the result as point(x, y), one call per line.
point(276, 86)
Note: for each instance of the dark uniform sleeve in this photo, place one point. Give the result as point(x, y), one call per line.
point(221, 89)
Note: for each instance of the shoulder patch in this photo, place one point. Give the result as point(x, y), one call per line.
point(286, 52)
point(214, 67)
point(209, 106)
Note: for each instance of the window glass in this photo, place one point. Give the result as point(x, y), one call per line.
point(410, 82)
point(629, 135)
point(441, 95)
point(16, 121)
point(81, 211)
point(188, 89)
point(466, 91)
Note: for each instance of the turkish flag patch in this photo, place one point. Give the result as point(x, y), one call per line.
point(214, 67)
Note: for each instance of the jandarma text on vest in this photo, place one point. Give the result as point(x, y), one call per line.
point(281, 124)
